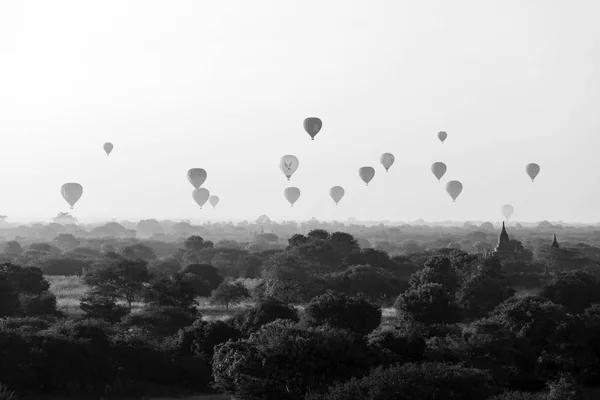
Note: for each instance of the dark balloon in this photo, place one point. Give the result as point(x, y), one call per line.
point(312, 126)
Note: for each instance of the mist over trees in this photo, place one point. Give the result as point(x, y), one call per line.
point(263, 309)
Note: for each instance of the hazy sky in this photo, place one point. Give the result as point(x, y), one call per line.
point(225, 85)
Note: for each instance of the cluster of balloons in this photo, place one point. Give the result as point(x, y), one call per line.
point(288, 164)
point(197, 176)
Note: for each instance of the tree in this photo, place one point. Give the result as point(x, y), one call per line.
point(486, 288)
point(268, 310)
point(369, 281)
point(248, 266)
point(95, 306)
point(545, 332)
point(13, 248)
point(206, 272)
point(174, 292)
point(66, 241)
point(340, 311)
point(45, 248)
point(229, 293)
point(344, 244)
point(196, 243)
point(412, 381)
point(318, 234)
point(286, 278)
point(138, 251)
point(576, 290)
point(201, 337)
point(165, 266)
point(123, 279)
point(287, 361)
point(62, 266)
point(438, 269)
point(428, 303)
point(25, 279)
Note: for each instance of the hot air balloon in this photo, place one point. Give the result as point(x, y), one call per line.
point(312, 125)
point(108, 147)
point(201, 196)
point(292, 194)
point(454, 188)
point(507, 210)
point(336, 193)
point(196, 176)
point(289, 164)
point(387, 159)
point(442, 136)
point(532, 170)
point(366, 174)
point(213, 200)
point(71, 192)
point(438, 169)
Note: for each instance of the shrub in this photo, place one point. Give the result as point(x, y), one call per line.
point(286, 361)
point(100, 307)
point(414, 382)
point(37, 304)
point(397, 344)
point(340, 311)
point(160, 321)
point(201, 337)
point(250, 320)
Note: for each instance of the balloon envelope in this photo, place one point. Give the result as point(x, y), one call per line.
point(312, 126)
point(213, 200)
point(438, 169)
point(387, 159)
point(71, 192)
point(288, 165)
point(201, 196)
point(366, 174)
point(196, 176)
point(454, 188)
point(108, 147)
point(442, 136)
point(336, 193)
point(532, 170)
point(292, 194)
point(507, 210)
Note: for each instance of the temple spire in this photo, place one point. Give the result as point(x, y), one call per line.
point(555, 242)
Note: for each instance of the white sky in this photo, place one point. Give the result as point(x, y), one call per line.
point(225, 85)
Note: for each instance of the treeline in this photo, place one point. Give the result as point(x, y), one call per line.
point(460, 330)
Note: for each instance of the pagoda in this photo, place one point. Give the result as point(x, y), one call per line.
point(555, 243)
point(503, 249)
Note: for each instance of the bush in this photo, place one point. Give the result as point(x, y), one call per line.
point(428, 303)
point(285, 361)
point(62, 266)
point(397, 344)
point(343, 312)
point(37, 304)
point(100, 307)
point(207, 273)
point(200, 338)
point(250, 320)
point(411, 381)
point(160, 321)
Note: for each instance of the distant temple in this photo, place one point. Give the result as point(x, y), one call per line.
point(503, 249)
point(555, 243)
